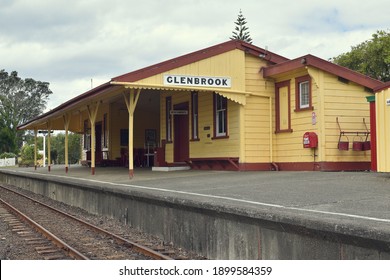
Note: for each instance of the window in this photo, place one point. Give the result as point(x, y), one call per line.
point(168, 118)
point(282, 107)
point(220, 116)
point(303, 93)
point(194, 105)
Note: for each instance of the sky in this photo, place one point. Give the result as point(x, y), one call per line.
point(76, 44)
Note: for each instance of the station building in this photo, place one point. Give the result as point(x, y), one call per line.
point(381, 115)
point(232, 106)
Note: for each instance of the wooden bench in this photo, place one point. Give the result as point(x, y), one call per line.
point(215, 163)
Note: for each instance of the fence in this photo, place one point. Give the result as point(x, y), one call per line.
point(7, 162)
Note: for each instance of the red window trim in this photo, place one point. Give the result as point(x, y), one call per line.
point(299, 80)
point(168, 120)
point(220, 137)
point(277, 106)
point(193, 138)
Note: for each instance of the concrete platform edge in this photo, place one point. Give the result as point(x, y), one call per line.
point(269, 230)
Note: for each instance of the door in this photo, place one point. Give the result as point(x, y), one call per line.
point(98, 148)
point(282, 107)
point(181, 133)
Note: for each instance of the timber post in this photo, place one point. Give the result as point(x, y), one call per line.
point(92, 113)
point(35, 147)
point(66, 124)
point(49, 147)
point(131, 102)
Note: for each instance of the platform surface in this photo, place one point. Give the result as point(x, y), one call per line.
point(357, 199)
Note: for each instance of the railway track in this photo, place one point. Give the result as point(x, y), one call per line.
point(59, 235)
point(46, 249)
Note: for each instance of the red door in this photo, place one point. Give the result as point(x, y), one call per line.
point(181, 133)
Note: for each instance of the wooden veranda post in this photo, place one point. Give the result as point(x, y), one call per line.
point(131, 102)
point(66, 124)
point(49, 147)
point(92, 113)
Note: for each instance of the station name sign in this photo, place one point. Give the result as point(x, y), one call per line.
point(197, 81)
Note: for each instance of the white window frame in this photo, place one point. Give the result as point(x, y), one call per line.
point(304, 93)
point(220, 112)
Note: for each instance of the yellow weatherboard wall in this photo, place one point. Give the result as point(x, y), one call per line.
point(257, 118)
point(206, 146)
point(249, 125)
point(288, 145)
point(329, 99)
point(347, 102)
point(229, 64)
point(383, 130)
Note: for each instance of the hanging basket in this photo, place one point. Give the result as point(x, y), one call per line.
point(357, 144)
point(366, 145)
point(343, 145)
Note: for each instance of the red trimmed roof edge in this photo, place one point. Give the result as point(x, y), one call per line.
point(311, 60)
point(69, 103)
point(196, 56)
point(382, 87)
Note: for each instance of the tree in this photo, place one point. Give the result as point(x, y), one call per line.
point(241, 31)
point(58, 148)
point(20, 101)
point(371, 58)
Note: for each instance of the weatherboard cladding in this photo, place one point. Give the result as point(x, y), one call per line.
point(197, 56)
point(382, 108)
point(251, 106)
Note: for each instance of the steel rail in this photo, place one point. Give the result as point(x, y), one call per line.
point(54, 239)
point(136, 247)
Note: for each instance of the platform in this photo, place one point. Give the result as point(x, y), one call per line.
point(235, 215)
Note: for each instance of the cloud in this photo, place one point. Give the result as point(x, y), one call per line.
point(68, 42)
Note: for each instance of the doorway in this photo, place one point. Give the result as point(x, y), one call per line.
point(181, 132)
point(98, 147)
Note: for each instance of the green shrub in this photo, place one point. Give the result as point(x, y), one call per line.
point(7, 155)
point(26, 163)
point(27, 153)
